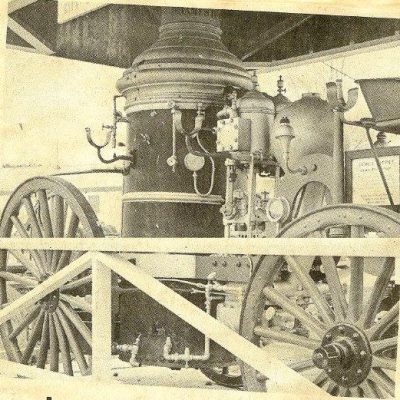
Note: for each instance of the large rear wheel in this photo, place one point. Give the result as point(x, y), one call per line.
point(337, 326)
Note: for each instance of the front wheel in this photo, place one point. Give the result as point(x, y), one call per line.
point(55, 331)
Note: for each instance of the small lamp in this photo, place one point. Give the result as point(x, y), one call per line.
point(285, 134)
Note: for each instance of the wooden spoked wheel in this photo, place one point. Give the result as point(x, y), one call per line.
point(228, 375)
point(339, 327)
point(56, 329)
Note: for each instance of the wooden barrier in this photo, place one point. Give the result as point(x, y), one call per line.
point(102, 264)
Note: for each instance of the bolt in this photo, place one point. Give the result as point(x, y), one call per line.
point(355, 335)
point(215, 263)
point(344, 378)
point(328, 336)
point(329, 370)
point(359, 371)
point(341, 329)
point(238, 264)
point(362, 353)
point(224, 264)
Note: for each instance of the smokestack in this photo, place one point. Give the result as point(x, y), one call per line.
point(188, 64)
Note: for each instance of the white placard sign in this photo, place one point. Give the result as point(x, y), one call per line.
point(368, 187)
point(70, 9)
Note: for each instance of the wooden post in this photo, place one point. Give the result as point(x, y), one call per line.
point(101, 321)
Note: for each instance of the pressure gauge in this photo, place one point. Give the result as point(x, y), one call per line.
point(194, 163)
point(277, 209)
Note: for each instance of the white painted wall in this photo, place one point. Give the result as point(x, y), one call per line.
point(48, 103)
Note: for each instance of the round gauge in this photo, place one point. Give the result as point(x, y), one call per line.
point(194, 163)
point(278, 209)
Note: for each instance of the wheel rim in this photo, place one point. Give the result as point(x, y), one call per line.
point(229, 375)
point(336, 339)
point(56, 329)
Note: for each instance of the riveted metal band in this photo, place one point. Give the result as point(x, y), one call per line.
point(171, 197)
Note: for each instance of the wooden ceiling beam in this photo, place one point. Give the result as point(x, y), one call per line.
point(326, 55)
point(29, 37)
point(276, 32)
point(14, 5)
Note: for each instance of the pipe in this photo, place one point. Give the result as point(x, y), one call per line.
point(338, 160)
point(379, 166)
point(91, 171)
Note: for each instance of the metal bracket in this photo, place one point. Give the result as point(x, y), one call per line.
point(336, 99)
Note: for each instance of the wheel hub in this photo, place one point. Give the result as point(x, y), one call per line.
point(345, 355)
point(49, 303)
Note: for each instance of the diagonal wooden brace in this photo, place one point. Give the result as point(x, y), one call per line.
point(49, 285)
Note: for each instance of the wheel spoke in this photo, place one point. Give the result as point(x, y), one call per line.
point(77, 322)
point(282, 301)
point(382, 380)
point(331, 387)
point(390, 318)
point(26, 322)
point(27, 263)
point(45, 213)
point(36, 229)
point(35, 336)
point(75, 284)
point(74, 345)
point(71, 233)
point(371, 390)
point(374, 301)
point(65, 354)
point(321, 378)
point(383, 344)
point(304, 277)
point(23, 280)
point(24, 234)
point(355, 392)
point(54, 351)
point(44, 343)
point(286, 337)
point(58, 223)
point(77, 302)
point(356, 279)
point(302, 365)
point(383, 362)
point(336, 289)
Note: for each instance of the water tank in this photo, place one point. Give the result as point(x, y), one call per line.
point(312, 121)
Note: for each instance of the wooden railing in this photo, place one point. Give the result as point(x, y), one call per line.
point(101, 258)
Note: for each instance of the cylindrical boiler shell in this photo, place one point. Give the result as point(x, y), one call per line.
point(151, 139)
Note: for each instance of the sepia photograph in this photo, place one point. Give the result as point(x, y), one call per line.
point(199, 199)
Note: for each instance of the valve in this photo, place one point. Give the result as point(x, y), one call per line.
point(111, 137)
point(336, 99)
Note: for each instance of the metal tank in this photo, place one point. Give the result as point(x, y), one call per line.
point(185, 70)
point(259, 110)
point(313, 125)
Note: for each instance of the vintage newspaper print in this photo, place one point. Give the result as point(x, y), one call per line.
point(190, 198)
